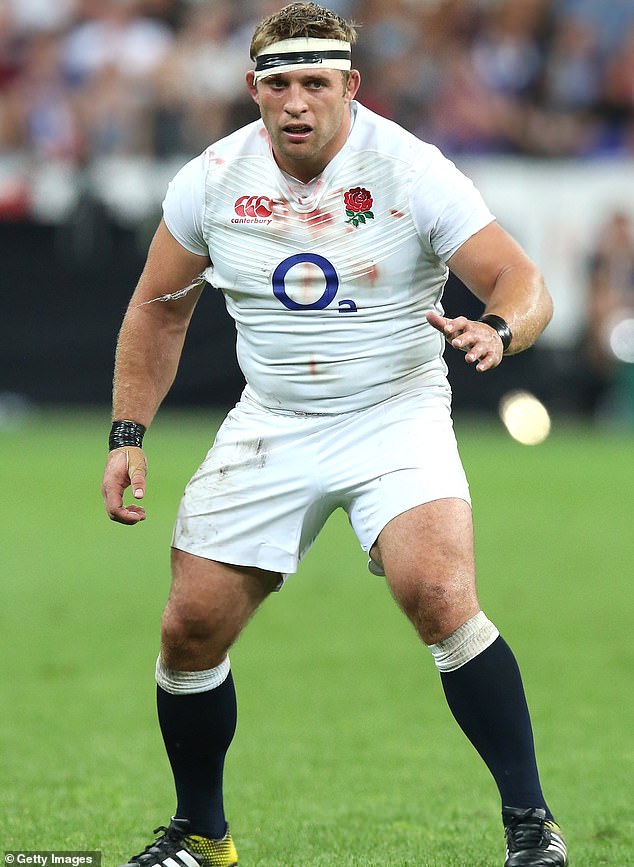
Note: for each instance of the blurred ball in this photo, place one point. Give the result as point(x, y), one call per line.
point(621, 339)
point(525, 417)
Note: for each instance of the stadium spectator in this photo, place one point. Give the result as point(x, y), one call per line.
point(571, 71)
point(115, 36)
point(40, 16)
point(611, 19)
point(110, 59)
point(8, 48)
point(198, 81)
point(618, 87)
point(506, 51)
point(40, 111)
point(606, 383)
point(464, 115)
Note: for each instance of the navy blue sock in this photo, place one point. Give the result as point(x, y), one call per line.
point(486, 696)
point(197, 730)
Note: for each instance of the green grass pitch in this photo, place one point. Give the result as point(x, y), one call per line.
point(345, 752)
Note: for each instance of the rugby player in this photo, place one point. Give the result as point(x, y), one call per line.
point(330, 231)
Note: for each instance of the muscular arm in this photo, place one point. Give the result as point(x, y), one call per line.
point(148, 353)
point(152, 335)
point(496, 269)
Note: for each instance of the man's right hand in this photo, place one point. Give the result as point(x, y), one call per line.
point(125, 467)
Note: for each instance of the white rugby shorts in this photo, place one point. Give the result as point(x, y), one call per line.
point(272, 478)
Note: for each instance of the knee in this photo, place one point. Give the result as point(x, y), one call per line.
point(182, 626)
point(189, 640)
point(438, 609)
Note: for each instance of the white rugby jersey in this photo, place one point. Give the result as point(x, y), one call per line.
point(328, 283)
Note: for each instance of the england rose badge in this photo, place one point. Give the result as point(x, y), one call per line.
point(358, 202)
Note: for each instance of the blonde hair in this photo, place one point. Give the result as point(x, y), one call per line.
point(301, 19)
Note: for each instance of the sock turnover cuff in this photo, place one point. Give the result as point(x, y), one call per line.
point(463, 645)
point(188, 682)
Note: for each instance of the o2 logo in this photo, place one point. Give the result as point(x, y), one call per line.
point(327, 296)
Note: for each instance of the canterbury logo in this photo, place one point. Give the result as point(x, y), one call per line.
point(253, 209)
point(180, 859)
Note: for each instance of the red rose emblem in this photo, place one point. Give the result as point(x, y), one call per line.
point(358, 202)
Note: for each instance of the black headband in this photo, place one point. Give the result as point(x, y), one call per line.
point(313, 58)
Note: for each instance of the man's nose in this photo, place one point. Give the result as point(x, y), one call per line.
point(295, 101)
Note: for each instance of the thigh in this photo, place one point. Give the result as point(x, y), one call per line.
point(208, 606)
point(428, 558)
point(252, 500)
point(410, 457)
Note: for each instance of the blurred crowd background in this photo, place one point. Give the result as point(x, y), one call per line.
point(84, 78)
point(101, 101)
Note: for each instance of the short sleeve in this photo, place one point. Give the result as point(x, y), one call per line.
point(184, 205)
point(446, 207)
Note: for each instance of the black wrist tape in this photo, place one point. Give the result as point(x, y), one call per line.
point(504, 332)
point(125, 433)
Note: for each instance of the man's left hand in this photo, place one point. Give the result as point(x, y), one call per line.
point(481, 344)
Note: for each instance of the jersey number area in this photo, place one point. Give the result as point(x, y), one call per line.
point(328, 295)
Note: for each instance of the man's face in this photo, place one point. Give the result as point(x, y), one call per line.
point(307, 115)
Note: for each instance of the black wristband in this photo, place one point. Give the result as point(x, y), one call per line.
point(496, 322)
point(125, 433)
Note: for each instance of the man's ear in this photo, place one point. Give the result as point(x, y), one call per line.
point(250, 79)
point(352, 85)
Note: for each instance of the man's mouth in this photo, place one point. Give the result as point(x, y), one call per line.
point(297, 132)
